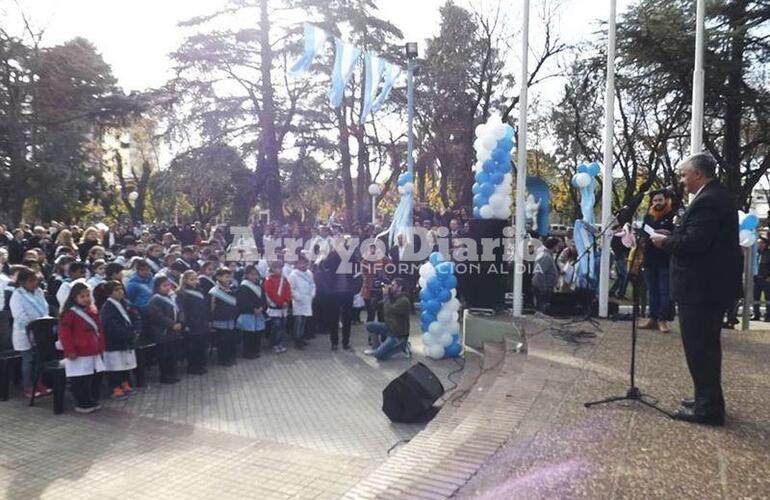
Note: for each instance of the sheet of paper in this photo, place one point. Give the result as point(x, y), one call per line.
point(649, 230)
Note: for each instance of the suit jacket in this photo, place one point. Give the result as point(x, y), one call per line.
point(706, 259)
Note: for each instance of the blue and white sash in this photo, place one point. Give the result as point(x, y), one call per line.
point(220, 294)
point(168, 300)
point(85, 317)
point(37, 302)
point(121, 310)
point(253, 287)
point(194, 293)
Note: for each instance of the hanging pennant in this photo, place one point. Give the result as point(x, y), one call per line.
point(345, 59)
point(391, 74)
point(315, 38)
point(374, 66)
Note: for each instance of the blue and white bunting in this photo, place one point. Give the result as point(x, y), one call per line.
point(345, 59)
point(374, 67)
point(391, 74)
point(315, 38)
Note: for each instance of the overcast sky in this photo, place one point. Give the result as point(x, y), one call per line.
point(135, 37)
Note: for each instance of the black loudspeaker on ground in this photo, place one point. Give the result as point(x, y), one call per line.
point(409, 398)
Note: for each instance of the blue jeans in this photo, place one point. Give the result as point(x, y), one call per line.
point(299, 327)
point(27, 362)
point(389, 345)
point(659, 289)
point(277, 328)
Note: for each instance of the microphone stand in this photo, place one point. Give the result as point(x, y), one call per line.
point(633, 393)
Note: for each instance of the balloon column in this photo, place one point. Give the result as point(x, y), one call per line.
point(748, 224)
point(405, 183)
point(494, 181)
point(440, 308)
point(585, 181)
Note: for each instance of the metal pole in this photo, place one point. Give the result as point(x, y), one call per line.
point(748, 287)
point(410, 114)
point(698, 77)
point(609, 128)
point(374, 210)
point(521, 168)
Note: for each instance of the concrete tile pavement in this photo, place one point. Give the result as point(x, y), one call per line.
point(624, 450)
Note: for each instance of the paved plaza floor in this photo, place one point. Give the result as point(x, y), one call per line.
point(297, 425)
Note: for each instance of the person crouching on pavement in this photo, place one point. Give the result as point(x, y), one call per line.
point(82, 338)
point(165, 327)
point(122, 326)
point(194, 315)
point(394, 331)
point(224, 314)
point(251, 308)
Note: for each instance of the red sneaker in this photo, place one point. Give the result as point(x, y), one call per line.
point(41, 390)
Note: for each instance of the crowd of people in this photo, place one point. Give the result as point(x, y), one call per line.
point(117, 287)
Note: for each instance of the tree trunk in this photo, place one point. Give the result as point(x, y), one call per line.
point(362, 181)
point(733, 107)
point(345, 163)
point(269, 167)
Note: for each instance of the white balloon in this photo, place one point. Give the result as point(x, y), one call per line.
point(477, 167)
point(499, 131)
point(486, 212)
point(408, 187)
point(480, 128)
point(483, 154)
point(429, 339)
point(454, 329)
point(503, 213)
point(445, 340)
point(508, 179)
point(422, 282)
point(400, 189)
point(494, 119)
point(453, 305)
point(489, 141)
point(747, 237)
point(446, 315)
point(435, 328)
point(582, 179)
point(454, 292)
point(427, 270)
point(435, 352)
point(497, 201)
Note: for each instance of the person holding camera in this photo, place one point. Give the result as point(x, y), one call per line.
point(393, 333)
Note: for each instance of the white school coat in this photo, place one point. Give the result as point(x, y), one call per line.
point(302, 292)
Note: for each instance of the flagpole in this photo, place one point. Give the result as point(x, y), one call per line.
point(609, 128)
point(521, 168)
point(698, 77)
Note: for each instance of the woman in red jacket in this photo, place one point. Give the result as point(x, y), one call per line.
point(82, 339)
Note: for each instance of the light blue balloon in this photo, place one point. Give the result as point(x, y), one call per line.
point(436, 258)
point(451, 281)
point(427, 316)
point(435, 286)
point(496, 178)
point(509, 133)
point(500, 155)
point(504, 168)
point(445, 268)
point(480, 200)
point(482, 177)
point(487, 189)
point(476, 212)
point(476, 187)
point(453, 350)
point(488, 166)
point(432, 306)
point(582, 168)
point(594, 169)
point(750, 222)
point(445, 294)
point(505, 144)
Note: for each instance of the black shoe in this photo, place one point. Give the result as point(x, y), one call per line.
point(299, 345)
point(347, 347)
point(169, 380)
point(334, 347)
point(688, 403)
point(687, 415)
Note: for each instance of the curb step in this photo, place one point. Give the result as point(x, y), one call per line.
point(456, 443)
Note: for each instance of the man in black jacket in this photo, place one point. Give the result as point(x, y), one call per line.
point(705, 278)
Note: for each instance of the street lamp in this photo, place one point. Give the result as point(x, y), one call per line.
point(374, 192)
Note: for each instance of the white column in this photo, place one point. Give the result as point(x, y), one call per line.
point(609, 129)
point(698, 76)
point(521, 168)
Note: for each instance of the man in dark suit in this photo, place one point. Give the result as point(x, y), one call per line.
point(705, 278)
